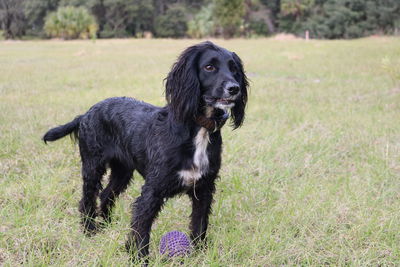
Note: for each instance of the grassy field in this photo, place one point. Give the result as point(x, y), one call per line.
point(312, 178)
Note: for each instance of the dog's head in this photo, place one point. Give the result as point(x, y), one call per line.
point(206, 75)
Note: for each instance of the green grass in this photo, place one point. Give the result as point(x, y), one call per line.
point(312, 178)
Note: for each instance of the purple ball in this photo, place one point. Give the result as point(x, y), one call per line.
point(174, 244)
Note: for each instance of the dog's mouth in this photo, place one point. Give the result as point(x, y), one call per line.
point(221, 103)
point(224, 101)
point(212, 101)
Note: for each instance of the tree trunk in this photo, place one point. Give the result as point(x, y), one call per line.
point(8, 20)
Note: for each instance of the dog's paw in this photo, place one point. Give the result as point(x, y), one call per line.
point(90, 227)
point(130, 246)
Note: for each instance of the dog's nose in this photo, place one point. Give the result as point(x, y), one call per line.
point(233, 89)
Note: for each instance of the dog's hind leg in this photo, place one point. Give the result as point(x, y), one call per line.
point(92, 173)
point(120, 177)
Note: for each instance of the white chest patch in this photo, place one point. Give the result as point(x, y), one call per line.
point(200, 159)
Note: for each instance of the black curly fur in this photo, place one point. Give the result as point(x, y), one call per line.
point(125, 134)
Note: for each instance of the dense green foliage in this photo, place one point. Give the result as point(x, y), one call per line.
point(12, 19)
point(121, 18)
point(333, 19)
point(326, 19)
point(202, 25)
point(71, 23)
point(172, 24)
point(36, 12)
point(228, 16)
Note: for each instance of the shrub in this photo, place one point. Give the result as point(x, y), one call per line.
point(258, 27)
point(71, 23)
point(202, 24)
point(109, 32)
point(228, 15)
point(172, 24)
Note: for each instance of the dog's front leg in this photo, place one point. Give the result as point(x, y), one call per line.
point(201, 208)
point(145, 210)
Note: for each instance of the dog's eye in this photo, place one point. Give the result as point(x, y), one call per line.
point(209, 68)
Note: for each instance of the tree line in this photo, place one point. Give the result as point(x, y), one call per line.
point(70, 19)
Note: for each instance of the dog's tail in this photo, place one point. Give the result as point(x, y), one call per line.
point(62, 130)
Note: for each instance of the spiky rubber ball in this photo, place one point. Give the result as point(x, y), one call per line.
point(175, 244)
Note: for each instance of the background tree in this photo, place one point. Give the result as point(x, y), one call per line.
point(383, 16)
point(329, 19)
point(12, 18)
point(293, 13)
point(172, 24)
point(126, 17)
point(274, 8)
point(35, 12)
point(333, 19)
point(257, 19)
point(98, 9)
point(202, 24)
point(228, 15)
point(143, 20)
point(118, 14)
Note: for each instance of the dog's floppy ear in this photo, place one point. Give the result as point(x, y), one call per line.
point(238, 110)
point(183, 87)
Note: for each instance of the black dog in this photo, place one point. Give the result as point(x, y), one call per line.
point(176, 148)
